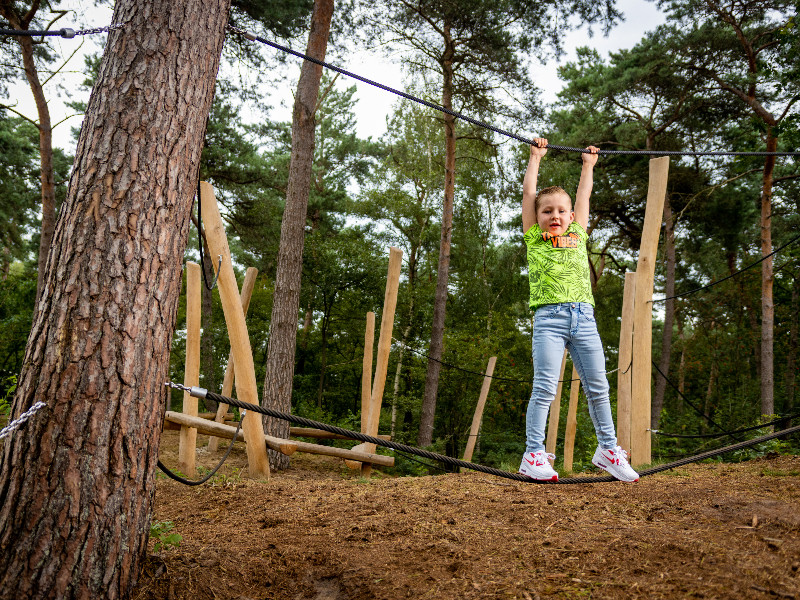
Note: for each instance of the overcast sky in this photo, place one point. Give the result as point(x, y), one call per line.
point(373, 104)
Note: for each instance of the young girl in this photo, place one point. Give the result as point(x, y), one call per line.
point(561, 296)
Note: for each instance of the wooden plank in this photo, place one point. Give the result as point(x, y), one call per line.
point(366, 371)
point(625, 372)
point(187, 445)
point(572, 420)
point(384, 346)
point(357, 455)
point(325, 435)
point(643, 314)
point(248, 285)
point(478, 416)
point(555, 410)
point(207, 427)
point(244, 370)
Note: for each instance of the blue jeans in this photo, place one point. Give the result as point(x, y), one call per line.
point(554, 327)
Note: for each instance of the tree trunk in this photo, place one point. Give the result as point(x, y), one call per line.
point(45, 136)
point(767, 304)
point(669, 315)
point(791, 355)
point(77, 481)
point(286, 300)
point(425, 437)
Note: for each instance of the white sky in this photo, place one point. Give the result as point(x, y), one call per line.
point(373, 104)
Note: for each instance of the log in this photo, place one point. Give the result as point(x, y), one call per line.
point(357, 455)
point(326, 435)
point(643, 314)
point(478, 416)
point(207, 427)
point(191, 374)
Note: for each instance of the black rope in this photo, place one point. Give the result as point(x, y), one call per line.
point(710, 285)
point(484, 125)
point(200, 235)
point(718, 435)
point(454, 462)
point(185, 481)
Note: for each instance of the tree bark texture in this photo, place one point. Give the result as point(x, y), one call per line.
point(77, 481)
point(669, 315)
point(425, 437)
point(286, 300)
point(767, 278)
point(44, 125)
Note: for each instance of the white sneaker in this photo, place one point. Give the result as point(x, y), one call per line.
point(615, 461)
point(536, 466)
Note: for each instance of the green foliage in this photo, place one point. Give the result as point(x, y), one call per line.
point(160, 531)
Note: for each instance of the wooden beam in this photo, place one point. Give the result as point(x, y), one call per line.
point(187, 446)
point(478, 416)
point(643, 313)
point(384, 346)
point(572, 420)
point(625, 370)
point(555, 410)
point(366, 371)
point(207, 427)
point(325, 435)
point(357, 455)
point(248, 285)
point(244, 370)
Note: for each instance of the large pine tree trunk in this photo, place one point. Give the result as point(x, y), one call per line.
point(425, 437)
point(77, 481)
point(286, 300)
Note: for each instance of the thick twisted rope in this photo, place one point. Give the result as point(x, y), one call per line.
point(199, 392)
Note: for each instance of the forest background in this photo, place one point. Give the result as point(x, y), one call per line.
point(700, 81)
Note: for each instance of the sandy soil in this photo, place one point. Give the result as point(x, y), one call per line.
point(320, 531)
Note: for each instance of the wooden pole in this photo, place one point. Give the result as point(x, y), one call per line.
point(384, 346)
point(555, 410)
point(187, 445)
point(244, 370)
point(572, 420)
point(476, 418)
point(366, 371)
point(248, 285)
point(625, 370)
point(643, 313)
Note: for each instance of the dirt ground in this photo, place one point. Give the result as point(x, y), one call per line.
point(319, 531)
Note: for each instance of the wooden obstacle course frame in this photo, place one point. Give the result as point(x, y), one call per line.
point(478, 416)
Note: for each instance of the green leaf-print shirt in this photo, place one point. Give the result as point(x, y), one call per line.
point(558, 266)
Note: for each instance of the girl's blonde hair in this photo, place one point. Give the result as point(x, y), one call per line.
point(548, 191)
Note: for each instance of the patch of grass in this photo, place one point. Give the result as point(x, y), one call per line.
point(767, 472)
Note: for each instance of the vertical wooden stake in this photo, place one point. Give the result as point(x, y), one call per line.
point(191, 375)
point(384, 346)
point(625, 364)
point(643, 313)
point(572, 420)
point(366, 371)
point(248, 285)
point(244, 370)
point(555, 411)
point(476, 418)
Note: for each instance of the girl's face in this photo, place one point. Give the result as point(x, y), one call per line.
point(555, 214)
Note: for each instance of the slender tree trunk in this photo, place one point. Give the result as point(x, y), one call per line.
point(77, 481)
point(323, 360)
point(669, 315)
point(286, 300)
point(791, 355)
point(425, 437)
point(767, 304)
point(47, 178)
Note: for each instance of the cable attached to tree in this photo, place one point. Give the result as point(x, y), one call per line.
point(64, 32)
point(184, 481)
point(199, 392)
point(458, 115)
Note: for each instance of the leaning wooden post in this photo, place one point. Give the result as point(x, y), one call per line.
point(248, 285)
point(244, 370)
point(572, 420)
point(476, 418)
point(191, 375)
point(384, 346)
point(555, 410)
point(624, 370)
point(643, 313)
